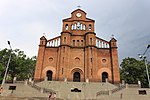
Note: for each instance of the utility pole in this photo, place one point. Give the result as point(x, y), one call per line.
point(3, 82)
point(143, 56)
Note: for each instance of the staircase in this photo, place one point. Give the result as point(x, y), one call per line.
point(71, 91)
point(87, 90)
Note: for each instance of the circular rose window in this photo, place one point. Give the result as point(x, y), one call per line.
point(104, 60)
point(50, 59)
point(77, 59)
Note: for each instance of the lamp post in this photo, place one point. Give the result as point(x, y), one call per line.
point(7, 66)
point(142, 56)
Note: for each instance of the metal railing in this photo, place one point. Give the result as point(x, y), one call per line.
point(103, 92)
point(117, 89)
point(43, 90)
point(108, 92)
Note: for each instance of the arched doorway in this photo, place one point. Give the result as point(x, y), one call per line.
point(104, 76)
point(49, 75)
point(76, 77)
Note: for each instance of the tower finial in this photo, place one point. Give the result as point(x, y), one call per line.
point(44, 34)
point(112, 36)
point(79, 6)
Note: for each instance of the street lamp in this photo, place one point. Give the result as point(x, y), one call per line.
point(7, 66)
point(142, 56)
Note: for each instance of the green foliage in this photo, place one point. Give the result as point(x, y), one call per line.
point(1, 70)
point(20, 66)
point(133, 70)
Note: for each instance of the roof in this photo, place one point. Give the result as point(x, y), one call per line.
point(79, 10)
point(43, 38)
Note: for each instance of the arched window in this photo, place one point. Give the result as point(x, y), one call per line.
point(78, 26)
point(75, 26)
point(90, 27)
point(72, 27)
point(81, 27)
point(66, 26)
point(84, 27)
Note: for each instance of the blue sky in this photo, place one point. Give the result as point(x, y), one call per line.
point(23, 22)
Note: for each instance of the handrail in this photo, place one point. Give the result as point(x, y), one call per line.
point(102, 92)
point(117, 89)
point(108, 92)
point(40, 88)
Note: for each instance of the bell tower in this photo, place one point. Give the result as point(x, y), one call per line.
point(78, 24)
point(78, 35)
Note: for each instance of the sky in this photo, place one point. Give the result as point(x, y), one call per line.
point(23, 22)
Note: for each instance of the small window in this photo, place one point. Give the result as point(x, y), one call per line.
point(90, 27)
point(66, 26)
point(91, 60)
point(64, 39)
point(78, 26)
point(91, 50)
point(73, 42)
point(63, 49)
point(91, 41)
point(75, 26)
point(63, 60)
point(72, 27)
point(81, 42)
point(62, 70)
point(77, 42)
point(83, 27)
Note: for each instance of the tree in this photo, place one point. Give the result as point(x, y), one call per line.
point(133, 70)
point(20, 65)
point(1, 70)
point(3, 62)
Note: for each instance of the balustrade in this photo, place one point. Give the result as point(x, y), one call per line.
point(100, 43)
point(55, 42)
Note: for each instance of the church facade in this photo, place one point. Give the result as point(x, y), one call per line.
point(77, 55)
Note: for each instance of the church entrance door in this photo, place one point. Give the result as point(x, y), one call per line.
point(104, 76)
point(76, 77)
point(49, 75)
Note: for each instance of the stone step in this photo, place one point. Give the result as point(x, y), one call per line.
point(63, 91)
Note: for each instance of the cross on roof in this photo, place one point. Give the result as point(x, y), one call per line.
point(79, 7)
point(44, 34)
point(112, 36)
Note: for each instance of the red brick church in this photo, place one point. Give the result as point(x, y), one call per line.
point(77, 55)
